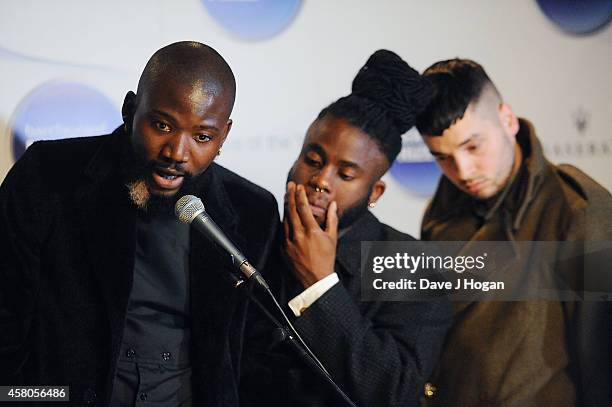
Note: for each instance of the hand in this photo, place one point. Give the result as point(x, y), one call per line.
point(311, 251)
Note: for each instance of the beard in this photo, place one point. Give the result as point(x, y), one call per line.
point(136, 173)
point(353, 213)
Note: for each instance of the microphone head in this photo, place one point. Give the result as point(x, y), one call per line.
point(188, 207)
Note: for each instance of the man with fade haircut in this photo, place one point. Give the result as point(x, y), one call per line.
point(103, 289)
point(379, 353)
point(499, 186)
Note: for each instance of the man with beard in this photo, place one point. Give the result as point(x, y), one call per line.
point(499, 186)
point(103, 290)
point(379, 353)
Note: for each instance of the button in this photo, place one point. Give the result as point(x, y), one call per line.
point(130, 353)
point(143, 396)
point(430, 390)
point(166, 355)
point(89, 397)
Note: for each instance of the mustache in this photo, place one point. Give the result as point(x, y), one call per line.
point(176, 167)
point(139, 170)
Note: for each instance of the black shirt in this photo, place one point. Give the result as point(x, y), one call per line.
point(154, 363)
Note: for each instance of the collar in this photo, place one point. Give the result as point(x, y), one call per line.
point(215, 197)
point(348, 252)
point(450, 201)
point(106, 160)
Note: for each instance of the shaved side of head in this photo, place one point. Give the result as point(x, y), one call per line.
point(488, 104)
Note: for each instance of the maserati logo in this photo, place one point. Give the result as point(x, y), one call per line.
point(581, 120)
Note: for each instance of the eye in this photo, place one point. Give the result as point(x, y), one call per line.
point(440, 158)
point(202, 138)
point(313, 162)
point(161, 126)
point(346, 177)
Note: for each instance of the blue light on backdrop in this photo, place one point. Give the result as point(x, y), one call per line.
point(253, 19)
point(578, 16)
point(60, 109)
point(414, 168)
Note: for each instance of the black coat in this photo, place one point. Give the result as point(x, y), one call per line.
point(66, 267)
point(379, 353)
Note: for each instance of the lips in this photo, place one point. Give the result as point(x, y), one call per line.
point(474, 187)
point(167, 179)
point(318, 206)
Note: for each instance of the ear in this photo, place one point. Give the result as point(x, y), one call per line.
point(508, 120)
point(228, 127)
point(128, 110)
point(377, 190)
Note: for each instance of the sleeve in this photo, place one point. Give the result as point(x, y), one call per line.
point(307, 297)
point(381, 354)
point(590, 231)
point(21, 222)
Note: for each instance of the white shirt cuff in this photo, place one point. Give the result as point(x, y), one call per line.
point(307, 297)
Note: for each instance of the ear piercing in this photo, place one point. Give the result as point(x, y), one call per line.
point(371, 204)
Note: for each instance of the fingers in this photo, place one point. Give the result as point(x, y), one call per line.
point(286, 226)
point(331, 221)
point(303, 209)
point(291, 216)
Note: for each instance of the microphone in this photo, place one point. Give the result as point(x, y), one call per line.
point(190, 210)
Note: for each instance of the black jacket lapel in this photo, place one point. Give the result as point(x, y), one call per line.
point(105, 208)
point(216, 306)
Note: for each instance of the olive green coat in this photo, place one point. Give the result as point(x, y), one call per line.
point(526, 353)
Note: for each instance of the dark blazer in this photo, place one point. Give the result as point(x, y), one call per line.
point(66, 266)
point(379, 353)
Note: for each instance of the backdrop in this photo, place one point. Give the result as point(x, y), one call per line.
point(66, 66)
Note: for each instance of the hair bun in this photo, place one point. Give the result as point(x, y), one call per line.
point(388, 81)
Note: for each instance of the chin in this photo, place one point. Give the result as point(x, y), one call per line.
point(485, 193)
point(320, 221)
point(164, 193)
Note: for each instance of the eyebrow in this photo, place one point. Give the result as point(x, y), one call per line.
point(350, 164)
point(163, 114)
point(317, 149)
point(464, 142)
point(171, 118)
point(342, 163)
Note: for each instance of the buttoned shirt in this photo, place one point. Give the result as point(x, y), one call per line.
point(154, 363)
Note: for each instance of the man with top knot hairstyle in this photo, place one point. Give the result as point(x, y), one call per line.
point(102, 288)
point(379, 353)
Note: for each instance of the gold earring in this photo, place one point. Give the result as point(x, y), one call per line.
point(219, 152)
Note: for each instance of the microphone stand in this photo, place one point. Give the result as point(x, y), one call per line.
point(290, 335)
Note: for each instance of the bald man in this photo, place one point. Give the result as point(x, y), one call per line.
point(103, 290)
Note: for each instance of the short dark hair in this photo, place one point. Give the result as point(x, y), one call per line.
point(456, 84)
point(387, 94)
point(189, 63)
